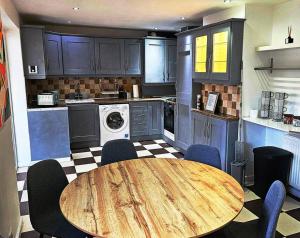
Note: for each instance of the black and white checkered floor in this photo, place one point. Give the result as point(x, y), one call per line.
point(88, 159)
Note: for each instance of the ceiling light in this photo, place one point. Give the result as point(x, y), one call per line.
point(227, 1)
point(182, 18)
point(69, 22)
point(155, 28)
point(75, 8)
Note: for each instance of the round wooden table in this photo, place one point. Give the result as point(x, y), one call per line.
point(152, 198)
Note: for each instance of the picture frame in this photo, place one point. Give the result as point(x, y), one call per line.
point(212, 102)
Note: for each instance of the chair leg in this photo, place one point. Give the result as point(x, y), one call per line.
point(41, 235)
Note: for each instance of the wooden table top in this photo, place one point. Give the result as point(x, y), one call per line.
point(152, 198)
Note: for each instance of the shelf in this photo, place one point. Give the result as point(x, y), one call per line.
point(271, 68)
point(275, 48)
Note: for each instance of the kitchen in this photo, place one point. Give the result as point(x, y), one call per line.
point(227, 80)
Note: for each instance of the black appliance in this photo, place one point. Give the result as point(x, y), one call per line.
point(169, 106)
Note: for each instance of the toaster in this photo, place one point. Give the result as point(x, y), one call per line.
point(47, 99)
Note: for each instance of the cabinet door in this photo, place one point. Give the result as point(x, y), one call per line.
point(199, 128)
point(202, 57)
point(155, 118)
point(109, 56)
point(220, 55)
point(54, 62)
point(154, 61)
point(133, 57)
point(171, 59)
point(32, 40)
point(78, 55)
point(84, 125)
point(182, 125)
point(139, 119)
point(217, 132)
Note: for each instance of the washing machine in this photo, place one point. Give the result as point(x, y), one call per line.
point(114, 122)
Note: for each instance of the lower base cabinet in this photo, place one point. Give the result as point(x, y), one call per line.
point(49, 133)
point(219, 133)
point(84, 125)
point(146, 120)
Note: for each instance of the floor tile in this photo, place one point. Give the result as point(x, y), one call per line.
point(178, 155)
point(97, 159)
point(245, 216)
point(140, 147)
point(142, 153)
point(255, 206)
point(81, 155)
point(297, 235)
point(147, 142)
point(167, 156)
point(80, 150)
point(21, 176)
point(26, 224)
point(20, 185)
point(288, 225)
point(96, 153)
point(67, 163)
point(22, 170)
point(152, 146)
point(159, 141)
point(95, 148)
point(137, 144)
point(294, 213)
point(250, 196)
point(71, 177)
point(69, 170)
point(290, 204)
point(85, 167)
point(159, 151)
point(24, 208)
point(171, 149)
point(81, 161)
point(24, 197)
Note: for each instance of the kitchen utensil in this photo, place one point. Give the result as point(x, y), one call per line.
point(253, 113)
point(266, 97)
point(279, 108)
point(296, 121)
point(135, 90)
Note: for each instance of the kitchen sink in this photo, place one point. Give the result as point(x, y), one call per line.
point(76, 101)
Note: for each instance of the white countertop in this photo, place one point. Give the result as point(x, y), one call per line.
point(272, 124)
point(40, 109)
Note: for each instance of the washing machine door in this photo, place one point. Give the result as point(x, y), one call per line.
point(115, 121)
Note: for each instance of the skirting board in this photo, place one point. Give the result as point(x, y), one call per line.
point(18, 233)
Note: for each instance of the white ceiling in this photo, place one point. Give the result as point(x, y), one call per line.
point(137, 14)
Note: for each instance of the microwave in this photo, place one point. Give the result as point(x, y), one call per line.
point(47, 99)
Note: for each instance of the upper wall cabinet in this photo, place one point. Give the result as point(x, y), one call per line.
point(109, 56)
point(133, 57)
point(54, 64)
point(218, 53)
point(33, 52)
point(160, 61)
point(78, 55)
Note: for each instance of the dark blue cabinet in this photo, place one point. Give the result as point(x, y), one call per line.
point(183, 92)
point(109, 56)
point(133, 57)
point(49, 133)
point(33, 52)
point(216, 132)
point(78, 55)
point(155, 116)
point(53, 47)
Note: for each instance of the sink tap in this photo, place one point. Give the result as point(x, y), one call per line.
point(77, 91)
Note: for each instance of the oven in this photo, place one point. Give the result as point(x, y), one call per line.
point(169, 106)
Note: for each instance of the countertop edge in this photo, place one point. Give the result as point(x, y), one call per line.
point(218, 116)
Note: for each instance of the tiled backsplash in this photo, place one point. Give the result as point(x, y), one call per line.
point(91, 86)
point(229, 98)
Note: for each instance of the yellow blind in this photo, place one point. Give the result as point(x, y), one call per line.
point(201, 57)
point(220, 46)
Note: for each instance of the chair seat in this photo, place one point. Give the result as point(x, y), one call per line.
point(54, 224)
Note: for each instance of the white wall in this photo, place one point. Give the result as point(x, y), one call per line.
point(234, 12)
point(10, 220)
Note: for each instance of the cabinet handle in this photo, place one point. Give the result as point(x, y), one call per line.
point(164, 76)
point(209, 63)
point(168, 76)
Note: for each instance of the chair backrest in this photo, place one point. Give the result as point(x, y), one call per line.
point(271, 209)
point(117, 150)
point(45, 183)
point(204, 154)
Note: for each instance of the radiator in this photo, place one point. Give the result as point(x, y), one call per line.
point(292, 144)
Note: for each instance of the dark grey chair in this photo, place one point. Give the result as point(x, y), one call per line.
point(45, 183)
point(204, 154)
point(117, 150)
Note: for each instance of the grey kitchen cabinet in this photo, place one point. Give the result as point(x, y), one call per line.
point(109, 56)
point(155, 61)
point(183, 92)
point(49, 133)
point(171, 60)
point(146, 119)
point(133, 57)
point(155, 118)
point(216, 132)
point(53, 47)
point(217, 54)
point(78, 55)
point(33, 52)
point(84, 125)
point(139, 119)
